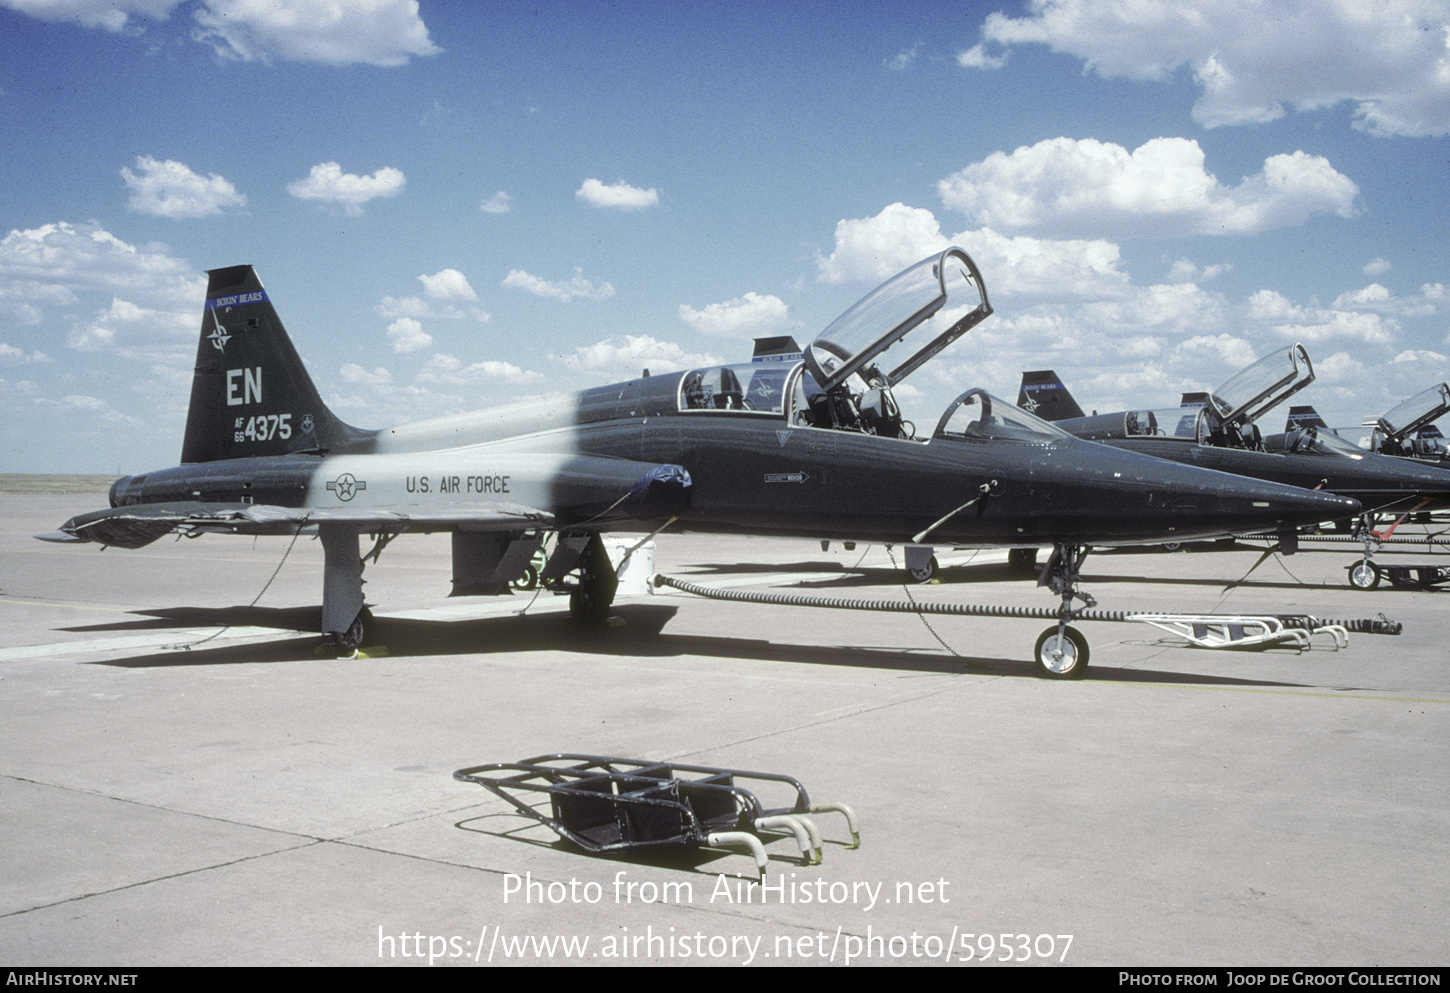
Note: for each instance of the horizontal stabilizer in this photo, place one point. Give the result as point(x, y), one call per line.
point(134, 527)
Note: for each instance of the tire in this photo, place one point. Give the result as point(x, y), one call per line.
point(926, 574)
point(588, 608)
point(1073, 661)
point(1364, 575)
point(362, 632)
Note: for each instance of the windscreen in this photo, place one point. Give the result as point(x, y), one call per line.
point(979, 415)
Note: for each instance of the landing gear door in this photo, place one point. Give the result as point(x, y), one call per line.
point(939, 299)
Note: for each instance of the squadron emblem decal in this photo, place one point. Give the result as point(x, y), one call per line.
point(219, 336)
point(346, 486)
point(306, 423)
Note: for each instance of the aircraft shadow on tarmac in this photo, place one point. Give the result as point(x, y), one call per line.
point(986, 572)
point(641, 635)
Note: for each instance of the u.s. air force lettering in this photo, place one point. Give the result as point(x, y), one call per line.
point(487, 483)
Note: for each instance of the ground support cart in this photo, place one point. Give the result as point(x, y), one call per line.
point(1245, 631)
point(605, 804)
point(1366, 575)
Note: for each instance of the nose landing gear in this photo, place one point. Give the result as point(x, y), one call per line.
point(1062, 651)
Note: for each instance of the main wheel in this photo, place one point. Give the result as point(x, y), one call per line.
point(1062, 657)
point(360, 632)
point(1364, 576)
point(586, 606)
point(924, 574)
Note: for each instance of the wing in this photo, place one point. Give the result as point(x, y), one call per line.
point(590, 493)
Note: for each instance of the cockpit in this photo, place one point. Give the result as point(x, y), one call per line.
point(746, 387)
point(1310, 439)
point(846, 378)
point(1233, 407)
point(979, 416)
point(1415, 416)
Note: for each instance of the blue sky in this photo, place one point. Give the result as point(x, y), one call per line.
point(455, 204)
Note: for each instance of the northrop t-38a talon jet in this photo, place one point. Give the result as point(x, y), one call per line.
point(815, 449)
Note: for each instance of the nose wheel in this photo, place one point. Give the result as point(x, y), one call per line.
point(1061, 654)
point(1364, 575)
point(1062, 651)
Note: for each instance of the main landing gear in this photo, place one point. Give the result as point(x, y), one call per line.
point(1062, 651)
point(590, 600)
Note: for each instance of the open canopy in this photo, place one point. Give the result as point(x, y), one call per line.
point(856, 341)
point(1416, 412)
point(1262, 386)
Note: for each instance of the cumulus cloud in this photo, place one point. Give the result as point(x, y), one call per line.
point(171, 189)
point(904, 59)
point(52, 263)
point(744, 317)
point(1290, 321)
point(576, 288)
point(23, 300)
point(137, 332)
point(621, 195)
point(1380, 300)
point(10, 355)
point(448, 284)
point(1072, 304)
point(1420, 357)
point(1377, 267)
point(627, 356)
point(407, 336)
point(499, 203)
point(89, 407)
point(337, 33)
point(1251, 59)
point(417, 309)
point(872, 249)
point(109, 15)
point(1086, 187)
point(1187, 271)
point(449, 370)
point(1230, 350)
point(976, 57)
point(358, 376)
point(329, 184)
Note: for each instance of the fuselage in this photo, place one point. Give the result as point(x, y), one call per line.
point(1378, 482)
point(752, 471)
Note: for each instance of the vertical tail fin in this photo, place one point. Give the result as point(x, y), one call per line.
point(250, 394)
point(1304, 417)
point(1043, 394)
